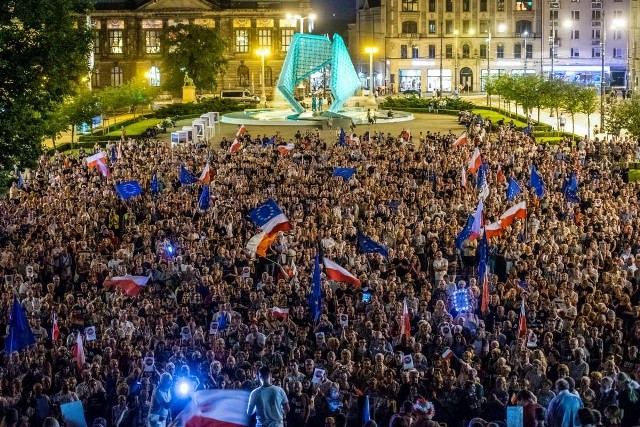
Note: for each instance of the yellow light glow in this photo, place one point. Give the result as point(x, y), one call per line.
point(371, 49)
point(472, 32)
point(502, 28)
point(456, 32)
point(263, 51)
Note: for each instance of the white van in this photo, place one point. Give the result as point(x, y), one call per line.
point(242, 95)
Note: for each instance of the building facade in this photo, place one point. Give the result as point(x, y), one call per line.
point(128, 36)
point(428, 45)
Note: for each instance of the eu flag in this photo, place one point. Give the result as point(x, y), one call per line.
point(204, 201)
point(223, 322)
point(315, 298)
point(513, 189)
point(366, 410)
point(482, 175)
point(369, 246)
point(128, 189)
point(20, 335)
point(343, 138)
point(536, 182)
point(20, 180)
point(154, 183)
point(113, 154)
point(570, 189)
point(465, 233)
point(265, 212)
point(186, 177)
point(345, 173)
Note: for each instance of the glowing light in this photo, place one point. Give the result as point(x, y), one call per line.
point(183, 388)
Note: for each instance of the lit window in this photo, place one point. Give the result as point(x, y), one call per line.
point(154, 76)
point(242, 41)
point(409, 5)
point(152, 41)
point(286, 35)
point(116, 76)
point(264, 38)
point(115, 41)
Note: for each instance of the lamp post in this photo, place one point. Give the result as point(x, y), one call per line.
point(615, 24)
point(524, 37)
point(371, 50)
point(455, 61)
point(311, 17)
point(262, 52)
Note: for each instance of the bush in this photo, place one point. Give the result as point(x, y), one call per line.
point(212, 104)
point(426, 103)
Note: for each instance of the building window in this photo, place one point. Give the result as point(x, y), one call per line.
point(264, 38)
point(483, 51)
point(243, 75)
point(409, 5)
point(500, 5)
point(553, 15)
point(466, 25)
point(500, 51)
point(432, 5)
point(617, 52)
point(448, 26)
point(595, 52)
point(517, 51)
point(432, 27)
point(116, 76)
point(242, 41)
point(95, 78)
point(154, 76)
point(96, 43)
point(575, 52)
point(575, 15)
point(575, 34)
point(617, 34)
point(414, 52)
point(285, 40)
point(432, 51)
point(523, 26)
point(529, 51)
point(403, 51)
point(449, 6)
point(449, 51)
point(596, 15)
point(466, 5)
point(595, 34)
point(115, 41)
point(484, 5)
point(466, 51)
point(152, 41)
point(617, 14)
point(484, 26)
point(526, 5)
point(409, 27)
point(268, 76)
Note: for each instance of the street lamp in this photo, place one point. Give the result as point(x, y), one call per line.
point(371, 50)
point(615, 24)
point(262, 52)
point(455, 61)
point(311, 17)
point(524, 36)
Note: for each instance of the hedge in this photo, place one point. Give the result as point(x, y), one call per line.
point(219, 105)
point(426, 103)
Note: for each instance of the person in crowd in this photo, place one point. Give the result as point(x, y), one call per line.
point(269, 402)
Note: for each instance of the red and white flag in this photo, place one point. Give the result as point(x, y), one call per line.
point(99, 161)
point(216, 408)
point(462, 140)
point(55, 330)
point(241, 131)
point(78, 352)
point(476, 161)
point(131, 285)
point(406, 323)
point(492, 230)
point(516, 211)
point(522, 322)
point(235, 146)
point(447, 354)
point(279, 313)
point(286, 149)
point(205, 176)
point(339, 274)
point(405, 135)
point(463, 178)
point(484, 302)
point(499, 175)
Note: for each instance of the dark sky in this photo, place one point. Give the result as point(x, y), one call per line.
point(333, 15)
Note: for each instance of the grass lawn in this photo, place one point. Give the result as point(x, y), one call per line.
point(494, 117)
point(634, 175)
point(138, 128)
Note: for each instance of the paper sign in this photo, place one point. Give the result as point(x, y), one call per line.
point(407, 361)
point(515, 416)
point(344, 320)
point(213, 328)
point(73, 414)
point(185, 333)
point(90, 333)
point(149, 364)
point(318, 375)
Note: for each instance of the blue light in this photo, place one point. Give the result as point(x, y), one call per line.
point(184, 387)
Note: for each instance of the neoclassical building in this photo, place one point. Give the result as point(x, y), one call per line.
point(128, 37)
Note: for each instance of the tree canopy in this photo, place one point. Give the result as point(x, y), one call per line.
point(44, 49)
point(193, 49)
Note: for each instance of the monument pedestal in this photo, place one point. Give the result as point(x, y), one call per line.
point(188, 94)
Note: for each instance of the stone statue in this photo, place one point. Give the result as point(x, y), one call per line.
point(188, 81)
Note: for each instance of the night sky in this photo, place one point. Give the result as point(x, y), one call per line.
point(334, 15)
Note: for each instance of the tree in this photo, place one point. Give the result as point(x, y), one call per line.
point(552, 91)
point(80, 108)
point(624, 115)
point(192, 49)
point(44, 49)
point(570, 96)
point(138, 93)
point(110, 100)
point(588, 103)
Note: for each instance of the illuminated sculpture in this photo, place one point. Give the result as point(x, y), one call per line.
point(309, 53)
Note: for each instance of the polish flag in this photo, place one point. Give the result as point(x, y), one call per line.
point(499, 175)
point(494, 229)
point(205, 176)
point(286, 149)
point(241, 131)
point(131, 285)
point(522, 322)
point(463, 178)
point(235, 146)
point(476, 161)
point(55, 330)
point(478, 221)
point(92, 161)
point(217, 408)
point(279, 313)
point(339, 274)
point(447, 354)
point(462, 140)
point(406, 324)
point(78, 352)
point(516, 211)
point(259, 243)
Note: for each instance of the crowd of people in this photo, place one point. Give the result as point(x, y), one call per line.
point(206, 317)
